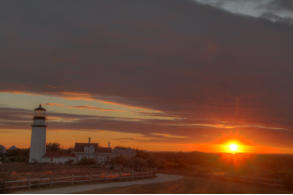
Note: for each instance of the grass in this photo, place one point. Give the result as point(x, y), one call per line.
point(192, 185)
point(14, 171)
point(56, 186)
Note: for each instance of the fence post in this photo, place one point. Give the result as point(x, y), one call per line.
point(51, 182)
point(72, 179)
point(28, 182)
point(2, 186)
point(92, 177)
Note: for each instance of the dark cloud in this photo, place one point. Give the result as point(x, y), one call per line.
point(281, 5)
point(280, 11)
point(188, 60)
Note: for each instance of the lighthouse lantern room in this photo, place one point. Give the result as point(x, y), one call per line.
point(38, 136)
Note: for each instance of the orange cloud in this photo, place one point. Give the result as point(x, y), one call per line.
point(76, 96)
point(61, 119)
point(54, 104)
point(127, 106)
point(86, 96)
point(70, 95)
point(17, 92)
point(95, 108)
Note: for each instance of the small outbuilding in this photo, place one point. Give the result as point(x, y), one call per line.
point(58, 157)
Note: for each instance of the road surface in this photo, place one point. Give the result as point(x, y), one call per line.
point(88, 187)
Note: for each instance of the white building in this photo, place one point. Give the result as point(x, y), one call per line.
point(58, 158)
point(92, 151)
point(100, 154)
point(38, 136)
point(125, 152)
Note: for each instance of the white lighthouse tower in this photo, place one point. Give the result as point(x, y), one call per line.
point(38, 137)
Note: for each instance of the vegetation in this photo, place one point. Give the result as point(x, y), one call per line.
point(239, 164)
point(53, 147)
point(277, 169)
point(22, 155)
point(16, 155)
point(137, 162)
point(288, 181)
point(86, 161)
point(191, 185)
point(1, 186)
point(274, 167)
point(19, 170)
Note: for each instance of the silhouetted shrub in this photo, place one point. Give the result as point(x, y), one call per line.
point(86, 161)
point(288, 181)
point(53, 147)
point(121, 161)
point(69, 162)
point(17, 155)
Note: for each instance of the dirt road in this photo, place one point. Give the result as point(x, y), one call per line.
point(83, 188)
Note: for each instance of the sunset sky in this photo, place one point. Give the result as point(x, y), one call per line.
point(164, 75)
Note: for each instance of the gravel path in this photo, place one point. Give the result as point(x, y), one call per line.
point(83, 188)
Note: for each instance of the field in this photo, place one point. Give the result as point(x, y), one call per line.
point(22, 170)
point(22, 176)
point(193, 185)
point(203, 172)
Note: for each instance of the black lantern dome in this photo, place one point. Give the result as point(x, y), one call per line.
point(40, 112)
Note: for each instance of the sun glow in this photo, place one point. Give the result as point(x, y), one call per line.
point(233, 147)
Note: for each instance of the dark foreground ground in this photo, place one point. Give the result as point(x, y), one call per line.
point(193, 185)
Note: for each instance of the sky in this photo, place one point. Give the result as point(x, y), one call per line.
point(168, 75)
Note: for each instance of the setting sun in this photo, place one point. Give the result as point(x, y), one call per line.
point(233, 147)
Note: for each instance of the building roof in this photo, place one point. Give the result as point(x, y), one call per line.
point(79, 147)
point(123, 148)
point(58, 155)
point(104, 150)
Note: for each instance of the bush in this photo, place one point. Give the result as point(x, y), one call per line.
point(86, 161)
point(69, 162)
point(17, 155)
point(138, 163)
point(288, 181)
point(2, 187)
point(3, 177)
point(53, 147)
point(121, 161)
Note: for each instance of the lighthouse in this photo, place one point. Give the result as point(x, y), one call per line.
point(38, 136)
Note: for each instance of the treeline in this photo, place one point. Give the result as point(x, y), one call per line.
point(55, 147)
point(166, 160)
point(22, 154)
point(249, 164)
point(15, 155)
point(197, 163)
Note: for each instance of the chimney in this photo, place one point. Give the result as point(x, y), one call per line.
point(89, 140)
point(109, 144)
